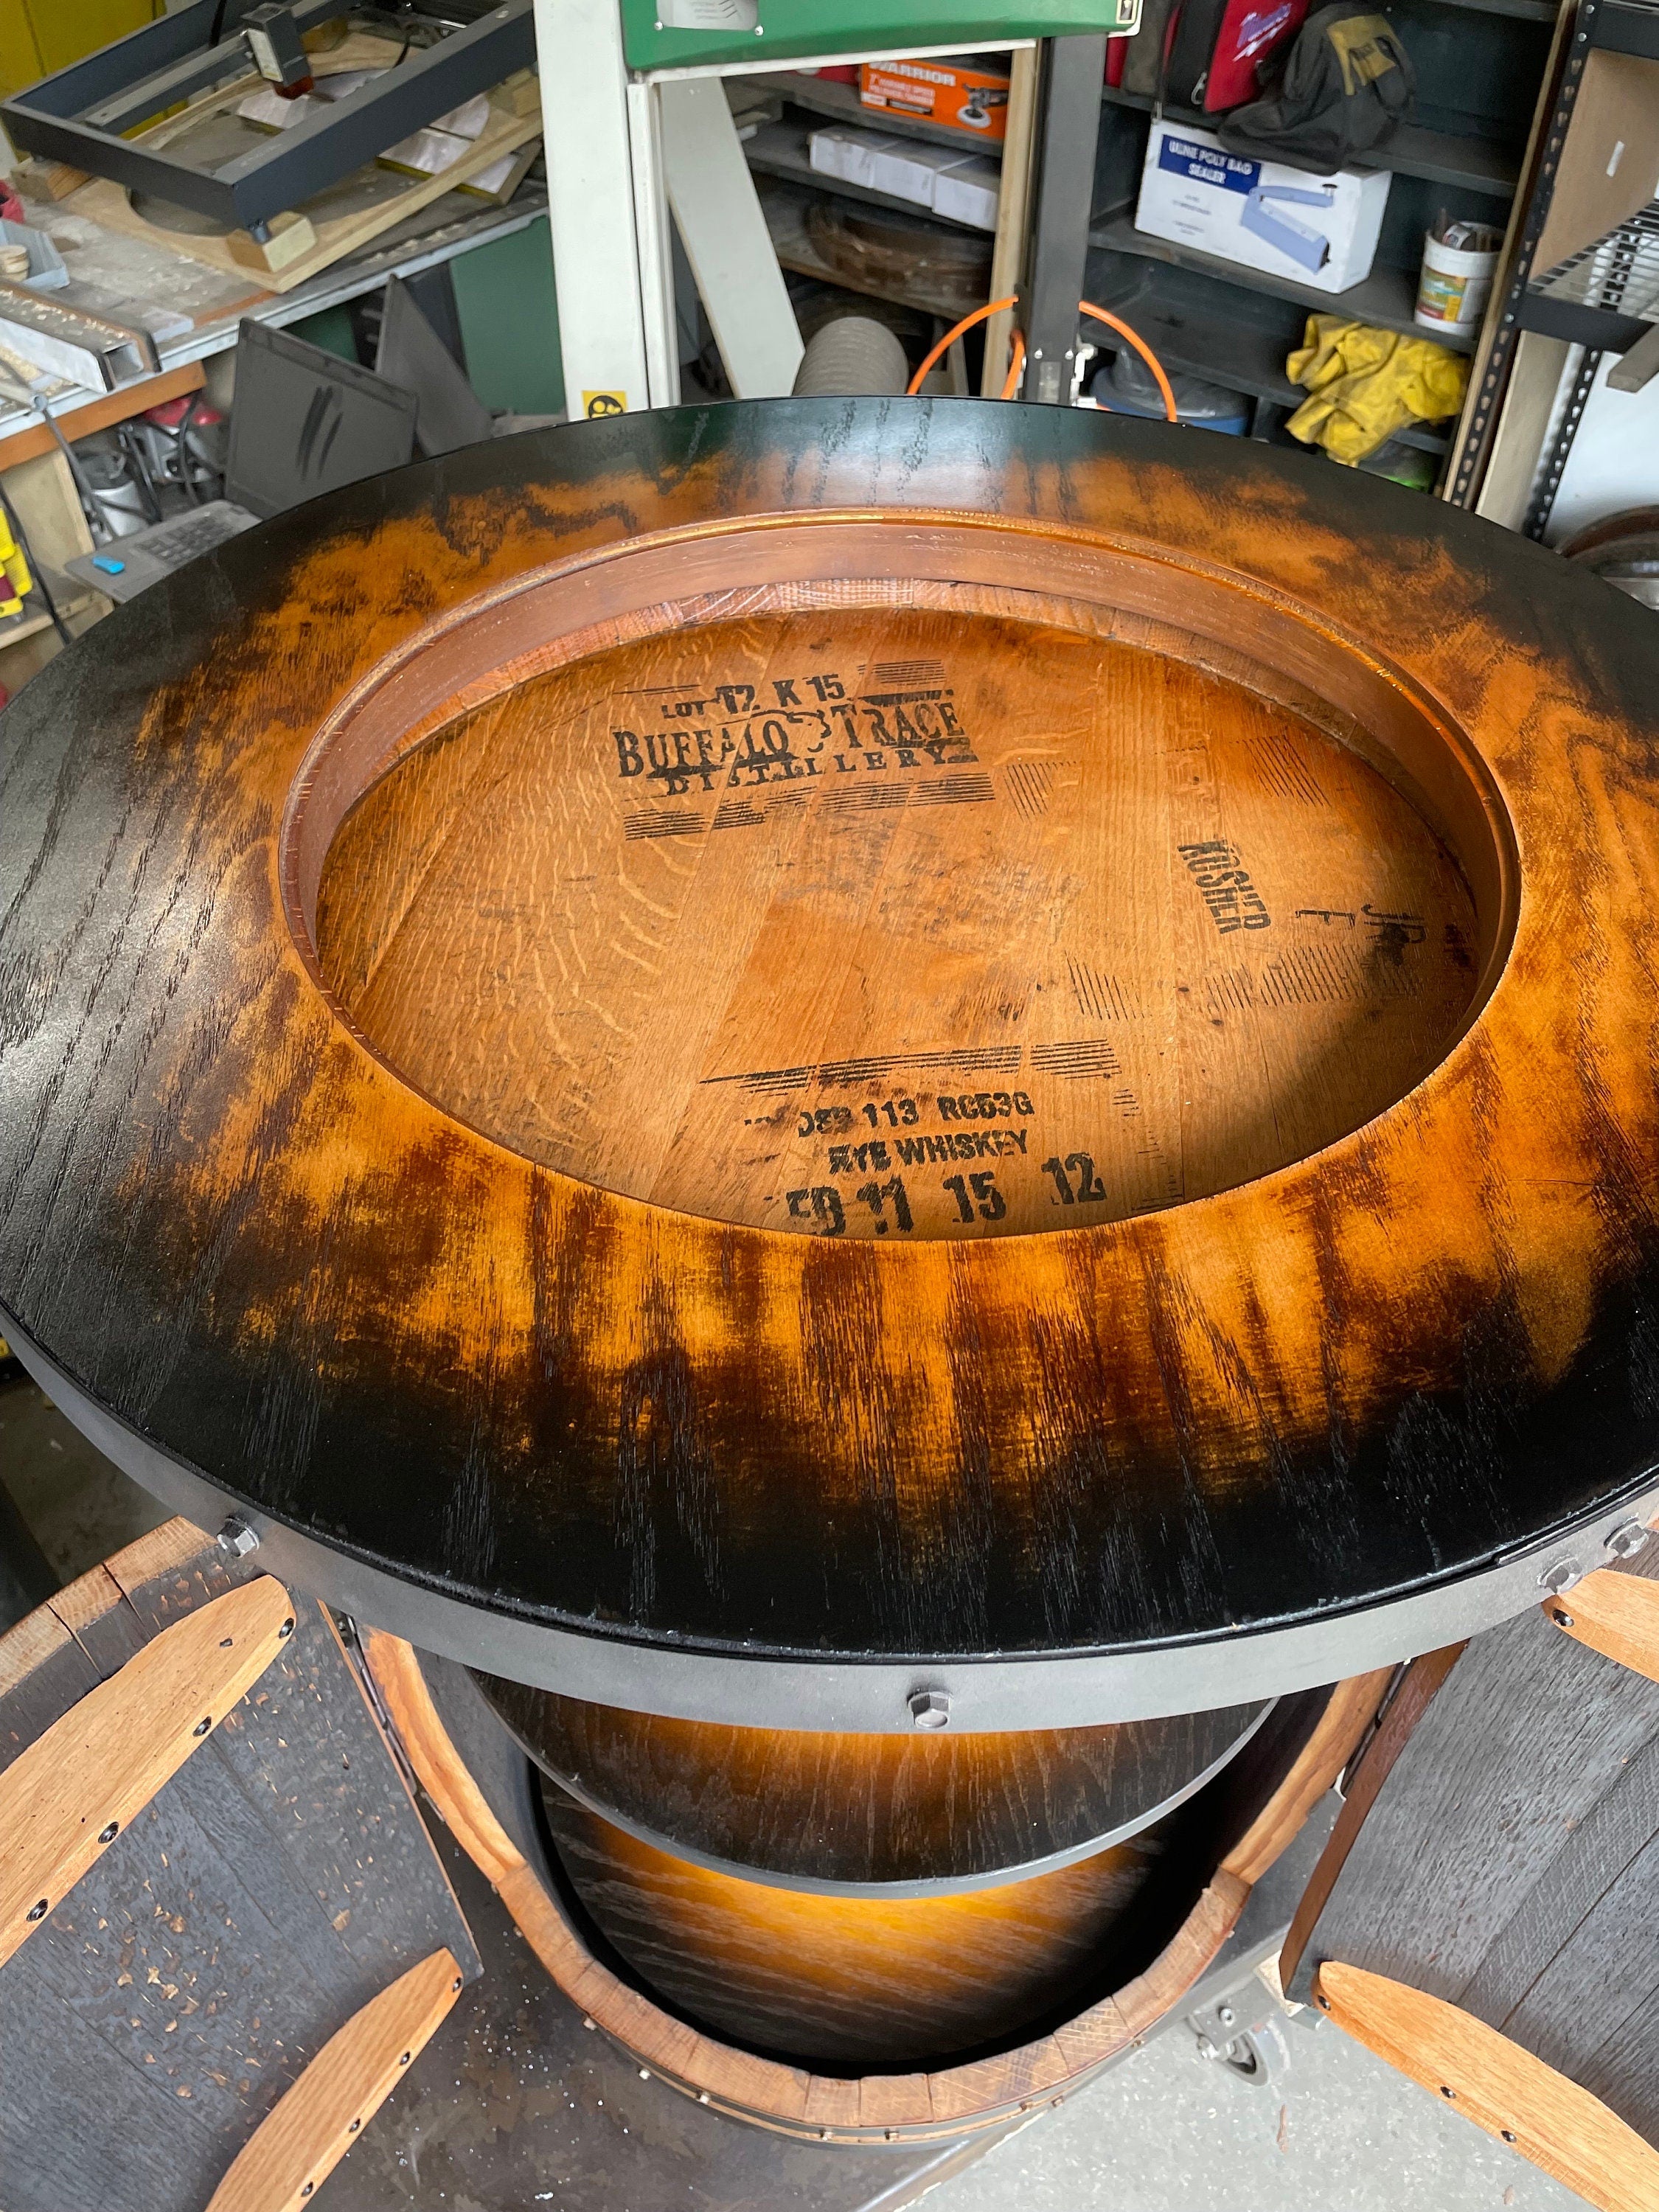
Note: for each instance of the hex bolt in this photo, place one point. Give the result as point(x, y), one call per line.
point(930, 1709)
point(236, 1539)
point(1625, 1541)
point(1561, 1578)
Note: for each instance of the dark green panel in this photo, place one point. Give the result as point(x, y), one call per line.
point(510, 322)
point(788, 29)
point(330, 330)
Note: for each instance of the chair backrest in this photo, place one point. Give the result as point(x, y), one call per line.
point(1499, 1858)
point(238, 1916)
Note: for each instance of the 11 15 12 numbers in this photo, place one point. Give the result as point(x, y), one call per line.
point(1089, 1190)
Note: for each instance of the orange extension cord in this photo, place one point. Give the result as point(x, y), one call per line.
point(1017, 366)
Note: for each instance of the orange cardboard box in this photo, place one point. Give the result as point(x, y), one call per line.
point(972, 101)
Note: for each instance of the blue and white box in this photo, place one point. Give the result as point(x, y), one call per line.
point(1321, 230)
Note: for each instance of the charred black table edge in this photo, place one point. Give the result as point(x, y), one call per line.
point(862, 1697)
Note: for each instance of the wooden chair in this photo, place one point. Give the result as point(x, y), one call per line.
point(1485, 1915)
point(224, 1934)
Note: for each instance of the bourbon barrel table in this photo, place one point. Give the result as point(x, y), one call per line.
point(912, 1111)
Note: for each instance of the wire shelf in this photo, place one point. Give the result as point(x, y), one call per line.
point(1619, 272)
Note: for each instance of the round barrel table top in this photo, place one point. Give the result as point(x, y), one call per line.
point(854, 1064)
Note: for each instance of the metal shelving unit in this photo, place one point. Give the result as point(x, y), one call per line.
point(1606, 296)
point(1523, 11)
point(784, 206)
point(780, 150)
point(1385, 297)
point(1189, 323)
point(1475, 165)
point(1603, 297)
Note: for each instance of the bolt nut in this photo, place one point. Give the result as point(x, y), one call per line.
point(236, 1539)
point(1625, 1541)
point(1561, 1577)
point(930, 1709)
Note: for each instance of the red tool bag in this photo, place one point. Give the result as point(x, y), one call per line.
point(1219, 46)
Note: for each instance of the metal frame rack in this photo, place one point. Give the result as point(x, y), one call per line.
point(80, 114)
point(1601, 295)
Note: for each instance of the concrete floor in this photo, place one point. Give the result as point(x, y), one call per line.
point(1168, 2131)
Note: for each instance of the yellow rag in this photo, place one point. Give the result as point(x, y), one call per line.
point(1365, 383)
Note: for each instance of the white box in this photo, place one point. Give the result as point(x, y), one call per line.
point(907, 170)
point(849, 155)
point(967, 191)
point(1321, 230)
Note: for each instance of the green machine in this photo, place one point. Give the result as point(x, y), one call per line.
point(682, 34)
point(641, 141)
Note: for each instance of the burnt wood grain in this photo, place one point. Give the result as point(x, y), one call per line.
point(269, 1890)
point(1363, 1371)
point(854, 1982)
point(1509, 1863)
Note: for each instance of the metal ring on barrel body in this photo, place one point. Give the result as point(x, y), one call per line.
point(1176, 1451)
point(1166, 1933)
point(926, 1814)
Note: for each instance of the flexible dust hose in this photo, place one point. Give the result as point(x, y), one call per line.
point(853, 356)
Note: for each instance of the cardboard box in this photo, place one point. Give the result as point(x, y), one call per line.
point(972, 101)
point(966, 190)
point(881, 161)
point(1321, 230)
point(849, 155)
point(907, 170)
point(962, 186)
